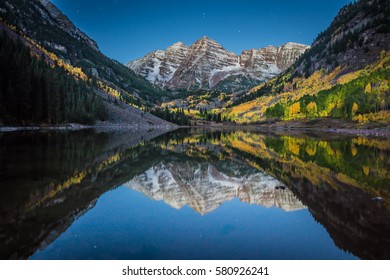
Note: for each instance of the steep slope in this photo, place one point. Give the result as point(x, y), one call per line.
point(54, 16)
point(197, 71)
point(271, 60)
point(41, 21)
point(207, 65)
point(159, 67)
point(345, 74)
point(35, 89)
point(68, 79)
point(355, 39)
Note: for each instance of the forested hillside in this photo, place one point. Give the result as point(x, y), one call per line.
point(53, 73)
point(41, 21)
point(344, 75)
point(34, 92)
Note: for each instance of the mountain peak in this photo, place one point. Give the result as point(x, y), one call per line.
point(294, 44)
point(206, 39)
point(179, 44)
point(206, 63)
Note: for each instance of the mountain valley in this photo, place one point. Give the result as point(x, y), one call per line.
point(344, 75)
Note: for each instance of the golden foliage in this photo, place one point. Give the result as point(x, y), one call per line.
point(320, 80)
point(312, 106)
point(293, 148)
point(355, 108)
point(311, 151)
point(368, 88)
point(382, 117)
point(366, 170)
point(295, 109)
point(76, 179)
point(346, 78)
point(37, 50)
point(353, 150)
point(378, 143)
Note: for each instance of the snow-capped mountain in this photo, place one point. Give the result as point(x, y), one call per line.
point(271, 61)
point(159, 67)
point(205, 64)
point(204, 188)
point(199, 69)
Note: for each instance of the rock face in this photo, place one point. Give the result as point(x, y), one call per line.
point(271, 60)
point(357, 37)
point(204, 188)
point(42, 22)
point(160, 66)
point(205, 64)
point(54, 16)
point(200, 67)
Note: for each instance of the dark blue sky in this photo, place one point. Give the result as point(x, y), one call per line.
point(126, 30)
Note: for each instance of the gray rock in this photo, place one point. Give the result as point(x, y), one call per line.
point(206, 64)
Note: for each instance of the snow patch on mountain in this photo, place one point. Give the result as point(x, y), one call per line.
point(205, 64)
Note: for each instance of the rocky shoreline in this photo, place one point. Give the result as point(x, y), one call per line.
point(371, 132)
point(98, 126)
point(333, 126)
point(337, 127)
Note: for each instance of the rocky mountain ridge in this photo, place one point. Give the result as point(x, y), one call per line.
point(49, 34)
point(346, 61)
point(55, 17)
point(206, 64)
point(46, 25)
point(356, 37)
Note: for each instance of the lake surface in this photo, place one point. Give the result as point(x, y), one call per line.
point(193, 194)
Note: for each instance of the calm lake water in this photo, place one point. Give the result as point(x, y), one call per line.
point(193, 194)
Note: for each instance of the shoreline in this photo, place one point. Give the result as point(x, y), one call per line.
point(321, 126)
point(99, 126)
point(333, 126)
point(372, 132)
point(339, 131)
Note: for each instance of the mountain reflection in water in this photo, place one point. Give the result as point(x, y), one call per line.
point(204, 188)
point(50, 180)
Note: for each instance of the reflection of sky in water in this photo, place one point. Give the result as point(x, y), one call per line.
point(127, 225)
point(220, 195)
